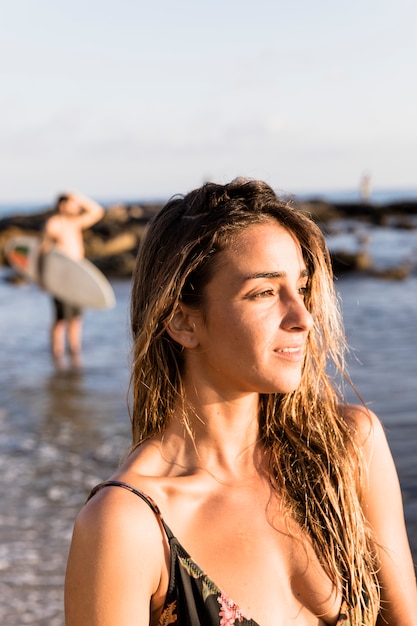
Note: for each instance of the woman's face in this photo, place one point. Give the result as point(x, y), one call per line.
point(253, 333)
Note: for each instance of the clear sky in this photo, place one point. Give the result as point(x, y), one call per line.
point(132, 99)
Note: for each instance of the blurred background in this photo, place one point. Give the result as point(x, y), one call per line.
point(143, 100)
point(131, 102)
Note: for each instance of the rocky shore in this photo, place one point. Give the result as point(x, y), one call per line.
point(113, 242)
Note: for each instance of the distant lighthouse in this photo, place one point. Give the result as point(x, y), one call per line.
point(365, 188)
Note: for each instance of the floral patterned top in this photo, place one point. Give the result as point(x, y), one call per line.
point(193, 599)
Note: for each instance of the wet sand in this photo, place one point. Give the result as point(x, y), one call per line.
point(63, 432)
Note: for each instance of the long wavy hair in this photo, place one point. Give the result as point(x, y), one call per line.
point(314, 461)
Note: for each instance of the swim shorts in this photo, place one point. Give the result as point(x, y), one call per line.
point(65, 311)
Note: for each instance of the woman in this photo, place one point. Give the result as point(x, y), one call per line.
point(284, 502)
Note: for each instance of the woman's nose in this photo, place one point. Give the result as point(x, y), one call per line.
point(297, 316)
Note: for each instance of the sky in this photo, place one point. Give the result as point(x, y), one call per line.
point(133, 99)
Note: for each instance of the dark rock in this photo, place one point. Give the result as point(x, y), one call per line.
point(113, 242)
point(401, 272)
point(343, 262)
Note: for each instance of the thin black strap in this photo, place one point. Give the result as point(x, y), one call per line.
point(140, 494)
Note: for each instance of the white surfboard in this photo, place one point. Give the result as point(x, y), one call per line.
point(79, 283)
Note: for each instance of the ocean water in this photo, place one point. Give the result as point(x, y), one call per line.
point(387, 247)
point(379, 196)
point(63, 431)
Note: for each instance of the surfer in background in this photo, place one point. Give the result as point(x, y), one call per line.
point(64, 231)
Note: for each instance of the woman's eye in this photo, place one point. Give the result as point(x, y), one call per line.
point(304, 291)
point(264, 294)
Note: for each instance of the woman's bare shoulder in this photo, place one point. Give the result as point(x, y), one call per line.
point(364, 424)
point(117, 539)
point(113, 506)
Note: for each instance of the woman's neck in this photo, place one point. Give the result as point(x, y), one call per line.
point(218, 437)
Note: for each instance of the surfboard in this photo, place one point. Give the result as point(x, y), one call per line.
point(77, 282)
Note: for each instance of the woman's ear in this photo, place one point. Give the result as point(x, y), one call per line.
point(182, 327)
